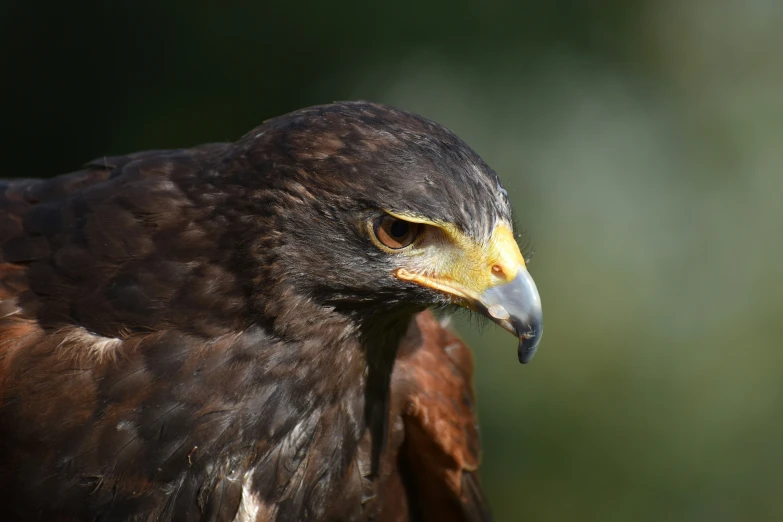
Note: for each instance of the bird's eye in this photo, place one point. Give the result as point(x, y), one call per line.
point(395, 233)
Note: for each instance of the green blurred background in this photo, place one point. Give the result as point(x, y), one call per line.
point(642, 144)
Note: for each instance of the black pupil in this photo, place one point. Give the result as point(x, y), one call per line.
point(399, 228)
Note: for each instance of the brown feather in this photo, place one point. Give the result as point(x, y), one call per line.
point(433, 394)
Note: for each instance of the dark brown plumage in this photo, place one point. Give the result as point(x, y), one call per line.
point(211, 334)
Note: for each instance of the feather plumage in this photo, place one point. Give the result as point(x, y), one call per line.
point(169, 349)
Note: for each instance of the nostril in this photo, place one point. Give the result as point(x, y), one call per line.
point(498, 271)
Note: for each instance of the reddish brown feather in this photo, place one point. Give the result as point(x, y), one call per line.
point(433, 394)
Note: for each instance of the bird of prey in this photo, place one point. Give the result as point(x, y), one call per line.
point(239, 331)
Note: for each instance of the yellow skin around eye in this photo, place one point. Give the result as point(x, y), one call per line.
point(445, 259)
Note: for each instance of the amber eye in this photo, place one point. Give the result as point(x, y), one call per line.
point(395, 233)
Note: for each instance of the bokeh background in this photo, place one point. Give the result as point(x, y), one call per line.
point(641, 142)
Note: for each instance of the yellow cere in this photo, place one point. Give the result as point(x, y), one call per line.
point(447, 260)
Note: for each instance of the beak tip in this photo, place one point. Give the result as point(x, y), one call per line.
point(526, 353)
point(528, 345)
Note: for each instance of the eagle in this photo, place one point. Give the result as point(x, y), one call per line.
point(243, 331)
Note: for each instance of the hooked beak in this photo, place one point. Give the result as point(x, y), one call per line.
point(516, 306)
point(493, 280)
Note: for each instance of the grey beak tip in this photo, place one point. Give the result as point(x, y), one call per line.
point(529, 341)
point(526, 351)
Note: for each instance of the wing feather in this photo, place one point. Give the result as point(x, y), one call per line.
point(97, 439)
point(432, 393)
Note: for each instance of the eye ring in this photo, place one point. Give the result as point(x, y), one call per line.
point(395, 233)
